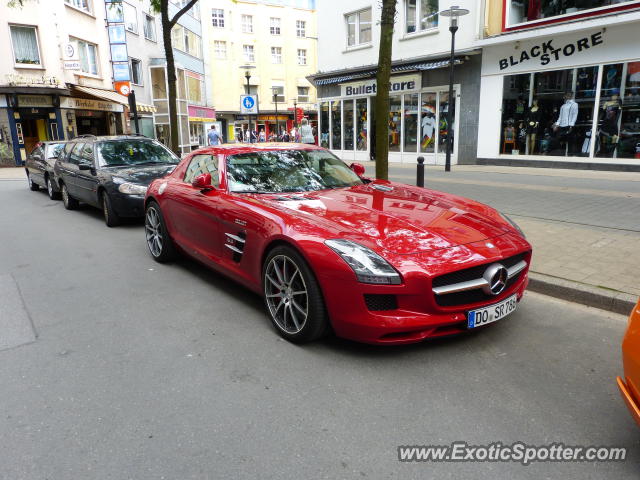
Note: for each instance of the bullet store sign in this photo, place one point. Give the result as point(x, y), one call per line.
point(398, 84)
point(552, 50)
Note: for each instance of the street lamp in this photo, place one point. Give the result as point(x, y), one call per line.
point(274, 90)
point(453, 13)
point(295, 111)
point(247, 75)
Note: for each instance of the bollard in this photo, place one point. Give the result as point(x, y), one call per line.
point(420, 172)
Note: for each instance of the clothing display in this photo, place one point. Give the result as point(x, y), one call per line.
point(533, 118)
point(568, 114)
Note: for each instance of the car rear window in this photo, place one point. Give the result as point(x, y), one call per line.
point(54, 149)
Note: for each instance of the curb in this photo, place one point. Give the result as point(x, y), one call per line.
point(602, 298)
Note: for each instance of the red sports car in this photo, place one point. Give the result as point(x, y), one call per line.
point(329, 250)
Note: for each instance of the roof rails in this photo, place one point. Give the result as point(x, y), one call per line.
point(85, 135)
point(135, 135)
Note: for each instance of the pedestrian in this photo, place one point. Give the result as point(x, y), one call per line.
point(263, 136)
point(214, 137)
point(285, 136)
point(306, 132)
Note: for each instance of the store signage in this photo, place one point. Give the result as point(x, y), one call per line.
point(18, 80)
point(551, 50)
point(208, 114)
point(398, 84)
point(86, 104)
point(71, 60)
point(123, 88)
point(34, 101)
point(272, 118)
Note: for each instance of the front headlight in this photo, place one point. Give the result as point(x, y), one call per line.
point(132, 189)
point(513, 224)
point(368, 266)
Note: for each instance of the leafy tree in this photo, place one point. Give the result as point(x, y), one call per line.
point(162, 6)
point(387, 19)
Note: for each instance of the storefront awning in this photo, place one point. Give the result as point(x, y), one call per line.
point(144, 108)
point(108, 95)
point(406, 67)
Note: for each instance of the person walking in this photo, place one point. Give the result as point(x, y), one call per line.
point(214, 137)
point(306, 132)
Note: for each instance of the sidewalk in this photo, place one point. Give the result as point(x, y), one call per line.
point(12, 173)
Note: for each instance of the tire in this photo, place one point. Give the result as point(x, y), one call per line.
point(53, 195)
point(33, 186)
point(68, 201)
point(293, 297)
point(159, 242)
point(111, 218)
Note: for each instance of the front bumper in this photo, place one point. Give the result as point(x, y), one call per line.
point(127, 205)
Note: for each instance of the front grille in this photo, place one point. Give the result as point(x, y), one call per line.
point(471, 296)
point(474, 272)
point(380, 302)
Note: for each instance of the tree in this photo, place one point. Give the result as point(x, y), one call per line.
point(162, 6)
point(381, 112)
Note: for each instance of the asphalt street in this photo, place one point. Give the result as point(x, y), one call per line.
point(148, 371)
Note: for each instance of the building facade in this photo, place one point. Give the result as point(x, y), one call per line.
point(349, 36)
point(276, 43)
point(560, 83)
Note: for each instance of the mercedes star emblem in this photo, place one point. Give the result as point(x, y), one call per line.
point(496, 276)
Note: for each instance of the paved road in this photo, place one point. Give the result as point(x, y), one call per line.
point(147, 371)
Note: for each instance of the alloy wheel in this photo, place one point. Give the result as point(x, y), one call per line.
point(153, 230)
point(286, 294)
point(49, 187)
point(65, 196)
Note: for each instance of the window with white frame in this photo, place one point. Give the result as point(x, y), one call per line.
point(79, 4)
point(130, 18)
point(420, 15)
point(247, 23)
point(192, 43)
point(274, 26)
point(301, 28)
point(303, 94)
point(276, 54)
point(135, 70)
point(88, 55)
point(220, 49)
point(149, 28)
point(248, 53)
point(26, 50)
point(217, 17)
point(302, 56)
point(358, 27)
point(277, 92)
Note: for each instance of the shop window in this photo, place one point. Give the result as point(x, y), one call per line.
point(220, 49)
point(324, 124)
point(180, 83)
point(135, 68)
point(276, 54)
point(130, 18)
point(274, 26)
point(247, 24)
point(395, 122)
point(336, 126)
point(26, 50)
point(444, 129)
point(217, 17)
point(410, 134)
point(301, 28)
point(421, 15)
point(302, 56)
point(358, 28)
point(158, 83)
point(361, 124)
point(248, 53)
point(347, 115)
point(303, 94)
point(88, 54)
point(149, 28)
point(523, 11)
point(428, 122)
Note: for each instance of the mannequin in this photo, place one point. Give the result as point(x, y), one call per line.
point(533, 126)
point(608, 130)
point(564, 126)
point(428, 124)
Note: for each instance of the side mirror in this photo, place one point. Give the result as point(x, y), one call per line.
point(203, 182)
point(358, 169)
point(84, 166)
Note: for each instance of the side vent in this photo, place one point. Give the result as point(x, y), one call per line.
point(235, 243)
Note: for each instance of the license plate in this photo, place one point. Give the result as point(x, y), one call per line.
point(492, 313)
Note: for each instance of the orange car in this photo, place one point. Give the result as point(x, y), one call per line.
point(630, 385)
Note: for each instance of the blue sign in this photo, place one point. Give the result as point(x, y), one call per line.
point(121, 72)
point(248, 103)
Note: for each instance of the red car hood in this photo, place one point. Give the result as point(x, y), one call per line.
point(394, 217)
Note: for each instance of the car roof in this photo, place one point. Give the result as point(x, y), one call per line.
point(235, 148)
point(103, 138)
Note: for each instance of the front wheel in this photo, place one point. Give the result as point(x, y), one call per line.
point(158, 240)
point(69, 202)
point(111, 218)
point(293, 296)
point(53, 195)
point(33, 186)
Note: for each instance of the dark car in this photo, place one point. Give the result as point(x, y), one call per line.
point(111, 173)
point(39, 167)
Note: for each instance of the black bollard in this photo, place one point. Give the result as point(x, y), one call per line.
point(420, 172)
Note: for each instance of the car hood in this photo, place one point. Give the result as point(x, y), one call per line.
point(394, 217)
point(141, 175)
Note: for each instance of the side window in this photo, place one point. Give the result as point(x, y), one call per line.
point(75, 155)
point(203, 164)
point(87, 154)
point(37, 152)
point(64, 156)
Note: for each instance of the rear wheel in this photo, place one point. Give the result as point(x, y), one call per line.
point(111, 218)
point(293, 296)
point(53, 195)
point(69, 202)
point(32, 185)
point(160, 244)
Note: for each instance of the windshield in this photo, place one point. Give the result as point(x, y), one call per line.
point(54, 149)
point(287, 171)
point(134, 152)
